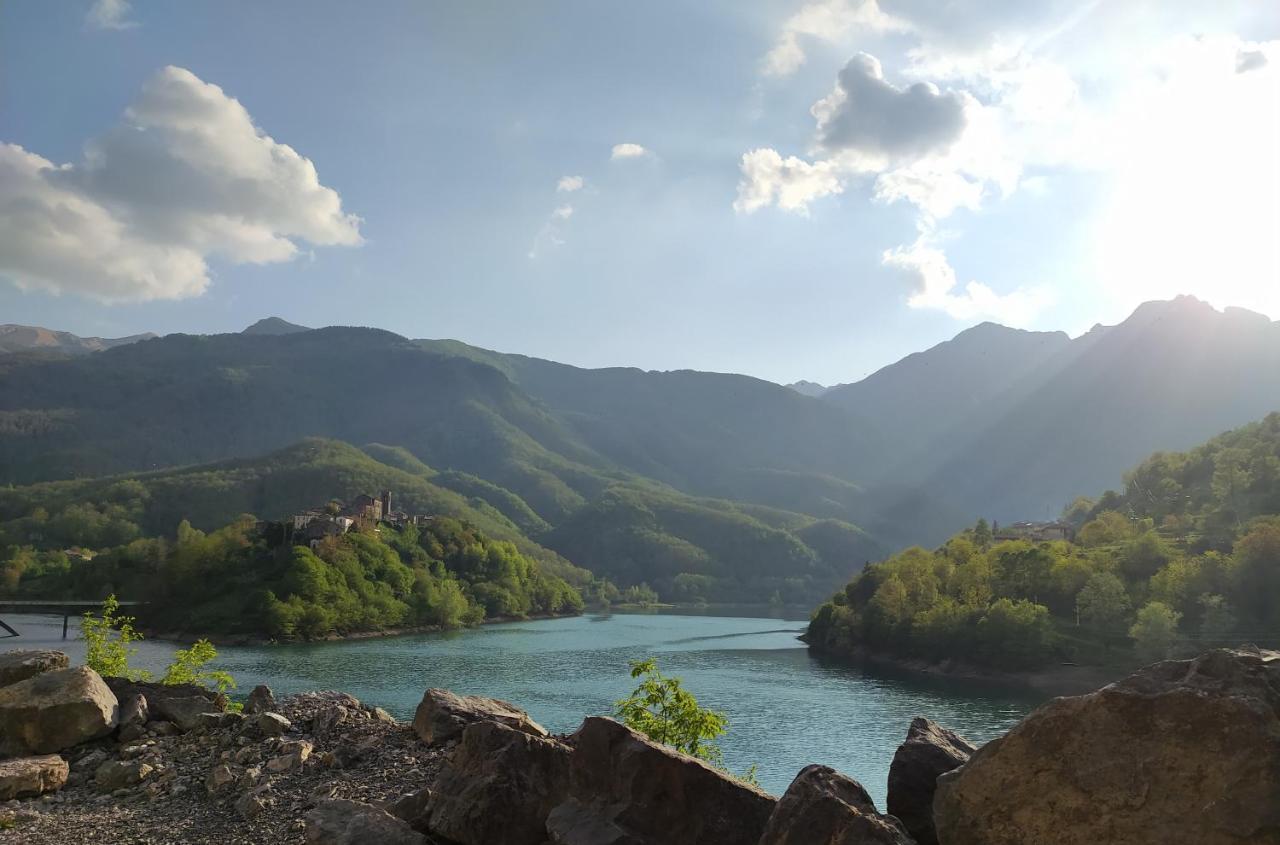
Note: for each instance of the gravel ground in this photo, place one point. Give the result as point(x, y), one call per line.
point(358, 753)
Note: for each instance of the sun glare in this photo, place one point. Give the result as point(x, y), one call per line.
point(1195, 204)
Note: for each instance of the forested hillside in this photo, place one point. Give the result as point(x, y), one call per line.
point(634, 533)
point(640, 474)
point(236, 580)
point(1186, 556)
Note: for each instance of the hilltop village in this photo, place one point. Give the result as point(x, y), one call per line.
point(312, 526)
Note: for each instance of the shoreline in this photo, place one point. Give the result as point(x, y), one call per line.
point(1053, 681)
point(253, 640)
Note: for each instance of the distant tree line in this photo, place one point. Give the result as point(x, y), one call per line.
point(1186, 557)
point(446, 573)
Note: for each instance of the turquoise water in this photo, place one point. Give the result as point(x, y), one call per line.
point(786, 708)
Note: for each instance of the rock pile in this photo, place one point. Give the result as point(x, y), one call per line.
point(1182, 751)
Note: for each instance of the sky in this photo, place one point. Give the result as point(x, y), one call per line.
point(785, 189)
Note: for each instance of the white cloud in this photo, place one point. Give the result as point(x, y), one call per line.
point(184, 176)
point(827, 20)
point(627, 150)
point(563, 212)
point(931, 283)
point(791, 183)
point(110, 14)
point(866, 114)
point(1252, 59)
point(569, 184)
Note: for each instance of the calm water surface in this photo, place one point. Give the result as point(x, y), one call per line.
point(786, 709)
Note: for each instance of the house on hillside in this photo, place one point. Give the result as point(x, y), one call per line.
point(1036, 532)
point(313, 525)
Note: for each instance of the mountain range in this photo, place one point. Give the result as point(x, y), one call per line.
point(647, 475)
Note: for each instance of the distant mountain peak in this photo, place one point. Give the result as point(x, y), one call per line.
point(17, 338)
point(808, 388)
point(275, 325)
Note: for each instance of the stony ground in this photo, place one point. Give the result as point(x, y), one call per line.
point(227, 783)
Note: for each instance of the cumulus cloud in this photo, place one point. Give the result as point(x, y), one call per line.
point(569, 184)
point(827, 20)
point(627, 150)
point(110, 14)
point(792, 183)
point(931, 148)
point(1247, 60)
point(931, 283)
point(184, 176)
point(866, 114)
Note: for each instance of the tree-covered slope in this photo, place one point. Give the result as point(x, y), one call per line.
point(1187, 556)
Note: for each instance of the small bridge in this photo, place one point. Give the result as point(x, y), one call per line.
point(67, 608)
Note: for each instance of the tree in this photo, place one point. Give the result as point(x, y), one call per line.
point(1016, 633)
point(1107, 528)
point(188, 668)
point(1155, 631)
point(107, 642)
point(1257, 572)
point(982, 534)
point(1144, 556)
point(1102, 603)
point(663, 710)
point(1217, 622)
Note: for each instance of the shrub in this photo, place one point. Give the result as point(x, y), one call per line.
point(108, 638)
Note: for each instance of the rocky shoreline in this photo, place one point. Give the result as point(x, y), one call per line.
point(1181, 751)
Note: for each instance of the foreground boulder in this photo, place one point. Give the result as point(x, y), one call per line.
point(929, 751)
point(498, 786)
point(823, 806)
point(180, 704)
point(341, 822)
point(260, 700)
point(55, 710)
point(442, 715)
point(1181, 751)
point(19, 665)
point(29, 776)
point(623, 788)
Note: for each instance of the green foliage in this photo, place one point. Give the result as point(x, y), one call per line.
point(237, 580)
point(1155, 631)
point(108, 642)
point(1193, 541)
point(188, 667)
point(1103, 604)
point(663, 710)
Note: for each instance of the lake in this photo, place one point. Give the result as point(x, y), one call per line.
point(786, 708)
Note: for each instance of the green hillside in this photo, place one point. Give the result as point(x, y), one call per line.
point(1187, 556)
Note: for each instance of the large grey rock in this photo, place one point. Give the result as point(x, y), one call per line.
point(180, 704)
point(25, 777)
point(22, 664)
point(116, 774)
point(341, 822)
point(55, 710)
point(260, 700)
point(266, 724)
point(1181, 751)
point(823, 806)
point(443, 715)
point(134, 711)
point(930, 750)
point(624, 788)
point(497, 787)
